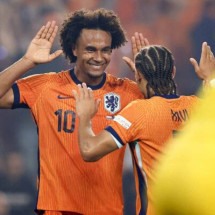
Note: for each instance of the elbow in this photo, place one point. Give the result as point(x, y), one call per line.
point(89, 156)
point(2, 94)
point(88, 150)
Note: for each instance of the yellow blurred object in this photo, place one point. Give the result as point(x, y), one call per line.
point(185, 176)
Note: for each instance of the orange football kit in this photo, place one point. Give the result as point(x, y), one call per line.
point(65, 181)
point(147, 125)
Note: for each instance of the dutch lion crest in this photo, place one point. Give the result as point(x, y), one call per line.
point(112, 102)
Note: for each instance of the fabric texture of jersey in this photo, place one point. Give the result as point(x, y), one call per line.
point(185, 174)
point(66, 182)
point(147, 124)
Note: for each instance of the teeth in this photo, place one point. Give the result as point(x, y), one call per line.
point(96, 65)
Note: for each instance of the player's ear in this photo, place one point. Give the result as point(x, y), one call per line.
point(138, 76)
point(173, 72)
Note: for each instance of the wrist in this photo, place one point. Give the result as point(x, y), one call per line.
point(28, 62)
point(84, 119)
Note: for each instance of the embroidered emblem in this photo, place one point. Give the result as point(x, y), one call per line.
point(112, 102)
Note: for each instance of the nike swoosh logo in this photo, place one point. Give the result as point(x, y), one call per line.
point(64, 97)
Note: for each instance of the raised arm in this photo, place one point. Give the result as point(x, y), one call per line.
point(92, 147)
point(138, 41)
point(38, 52)
point(205, 69)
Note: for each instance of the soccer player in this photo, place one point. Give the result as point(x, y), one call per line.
point(146, 124)
point(66, 184)
point(185, 174)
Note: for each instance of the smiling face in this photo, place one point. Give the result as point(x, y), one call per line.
point(93, 52)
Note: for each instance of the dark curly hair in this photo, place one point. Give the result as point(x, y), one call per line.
point(156, 63)
point(103, 19)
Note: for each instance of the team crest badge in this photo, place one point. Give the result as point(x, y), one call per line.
point(112, 102)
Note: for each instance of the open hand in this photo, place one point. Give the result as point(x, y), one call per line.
point(206, 68)
point(40, 47)
point(86, 104)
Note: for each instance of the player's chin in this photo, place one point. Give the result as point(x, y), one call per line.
point(97, 73)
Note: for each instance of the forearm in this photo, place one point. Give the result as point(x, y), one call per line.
point(14, 72)
point(86, 135)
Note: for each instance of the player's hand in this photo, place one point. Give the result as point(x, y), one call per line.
point(40, 47)
point(138, 41)
point(205, 69)
point(86, 104)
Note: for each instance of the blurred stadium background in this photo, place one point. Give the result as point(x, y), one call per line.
point(180, 25)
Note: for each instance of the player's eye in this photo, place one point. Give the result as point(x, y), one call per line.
point(90, 49)
point(107, 50)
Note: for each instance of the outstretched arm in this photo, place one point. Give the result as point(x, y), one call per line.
point(38, 52)
point(205, 69)
point(92, 147)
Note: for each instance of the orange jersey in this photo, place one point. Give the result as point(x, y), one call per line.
point(147, 124)
point(66, 182)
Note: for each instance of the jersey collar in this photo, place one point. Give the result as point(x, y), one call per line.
point(171, 96)
point(94, 87)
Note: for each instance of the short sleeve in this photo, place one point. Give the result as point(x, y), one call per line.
point(126, 125)
point(28, 90)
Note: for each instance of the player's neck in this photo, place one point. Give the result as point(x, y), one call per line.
point(87, 78)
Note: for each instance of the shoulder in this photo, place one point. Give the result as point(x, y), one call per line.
point(38, 76)
point(44, 78)
point(53, 75)
point(115, 81)
point(125, 84)
point(138, 105)
point(35, 79)
point(190, 99)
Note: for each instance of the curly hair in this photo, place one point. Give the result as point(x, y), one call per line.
point(156, 63)
point(102, 19)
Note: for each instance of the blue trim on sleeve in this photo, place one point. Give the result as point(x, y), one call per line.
point(113, 132)
point(16, 102)
point(16, 95)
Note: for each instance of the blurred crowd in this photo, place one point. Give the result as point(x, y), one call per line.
point(17, 189)
point(179, 25)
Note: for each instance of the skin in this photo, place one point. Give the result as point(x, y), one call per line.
point(206, 64)
point(89, 150)
point(94, 56)
point(38, 52)
point(94, 147)
point(93, 52)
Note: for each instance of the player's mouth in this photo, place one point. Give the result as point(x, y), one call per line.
point(96, 66)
